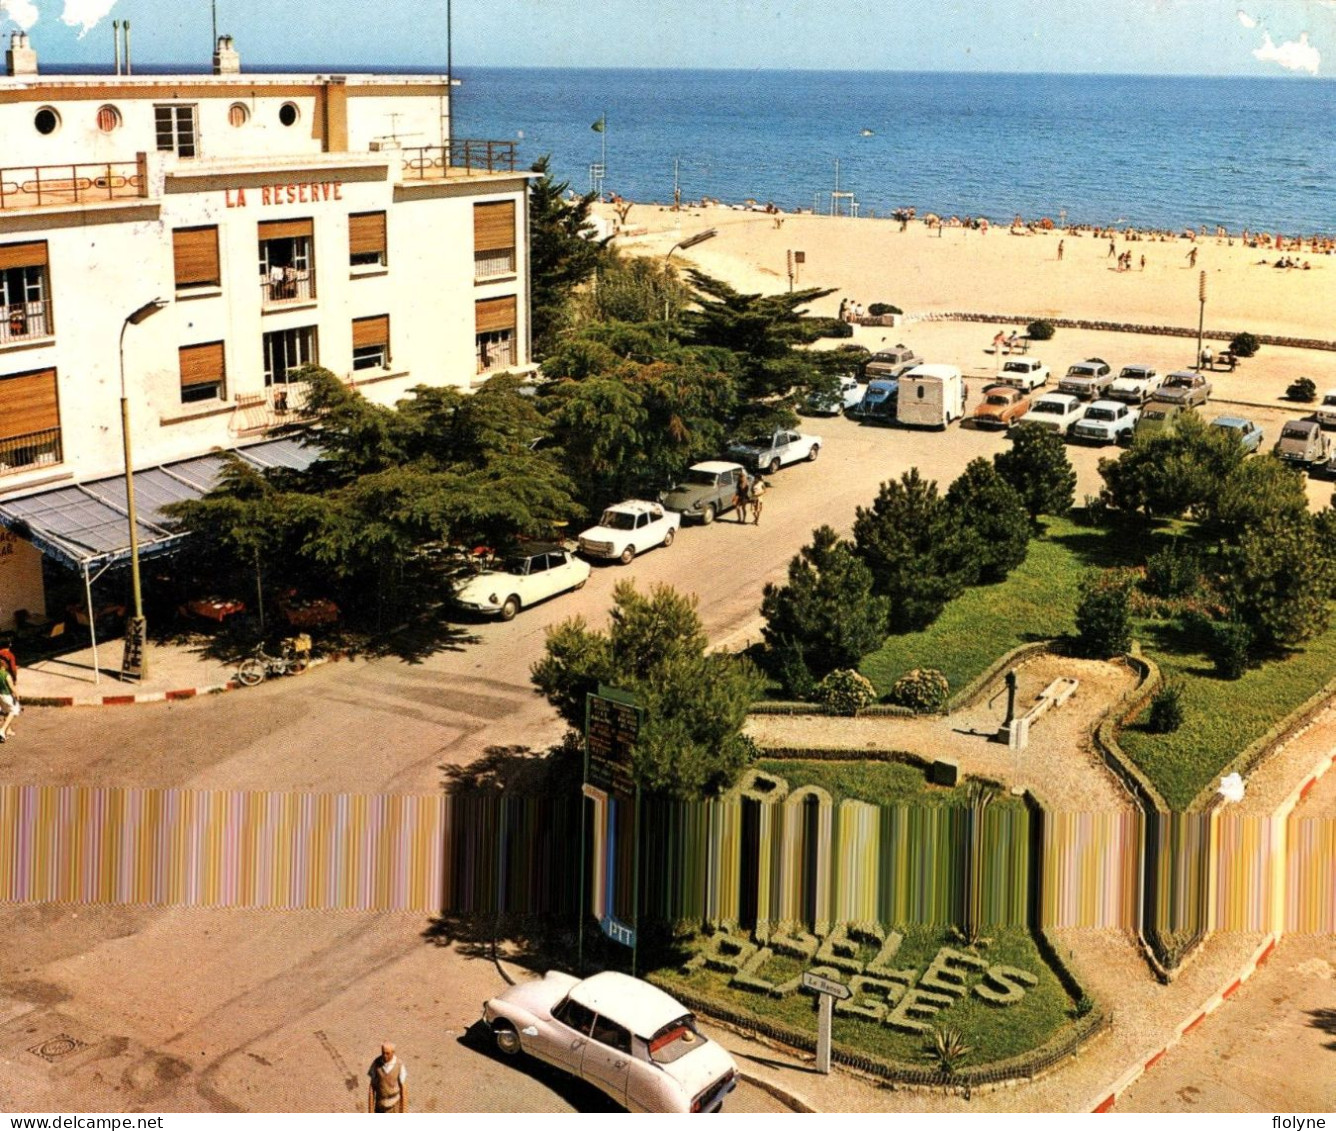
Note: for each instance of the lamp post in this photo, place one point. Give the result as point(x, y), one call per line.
point(1201, 315)
point(134, 662)
point(682, 245)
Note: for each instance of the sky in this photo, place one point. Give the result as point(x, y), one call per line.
point(1261, 37)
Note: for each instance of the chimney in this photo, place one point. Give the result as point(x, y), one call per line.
point(20, 59)
point(226, 60)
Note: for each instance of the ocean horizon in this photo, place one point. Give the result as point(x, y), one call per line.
point(1161, 152)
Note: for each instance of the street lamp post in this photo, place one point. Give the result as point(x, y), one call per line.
point(1201, 316)
point(682, 245)
point(134, 662)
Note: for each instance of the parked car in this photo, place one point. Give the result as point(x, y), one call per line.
point(1158, 417)
point(931, 396)
point(1325, 413)
point(770, 453)
point(1134, 384)
point(1302, 442)
point(1026, 373)
point(629, 1039)
point(1106, 422)
point(1088, 379)
point(707, 490)
point(523, 579)
point(1250, 436)
point(1185, 387)
point(1055, 411)
point(836, 401)
point(1001, 407)
point(878, 403)
point(891, 363)
point(628, 529)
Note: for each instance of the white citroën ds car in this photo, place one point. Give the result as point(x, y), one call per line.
point(624, 1036)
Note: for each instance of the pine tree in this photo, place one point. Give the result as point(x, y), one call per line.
point(563, 254)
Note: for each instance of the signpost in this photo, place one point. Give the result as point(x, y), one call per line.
point(829, 991)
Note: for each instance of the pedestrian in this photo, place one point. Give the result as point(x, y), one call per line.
point(1192, 257)
point(1061, 245)
point(741, 493)
point(1143, 262)
point(1207, 361)
point(388, 1090)
point(9, 702)
point(999, 340)
point(758, 489)
point(1112, 248)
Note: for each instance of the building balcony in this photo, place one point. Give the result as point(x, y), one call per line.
point(51, 186)
point(294, 287)
point(34, 449)
point(25, 322)
point(277, 407)
point(458, 158)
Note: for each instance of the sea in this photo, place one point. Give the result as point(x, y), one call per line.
point(1123, 150)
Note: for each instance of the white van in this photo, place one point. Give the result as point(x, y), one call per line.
point(931, 396)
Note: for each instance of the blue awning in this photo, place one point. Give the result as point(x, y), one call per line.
point(86, 525)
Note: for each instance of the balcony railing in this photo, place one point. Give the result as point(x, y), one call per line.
point(489, 264)
point(45, 186)
point(23, 321)
point(297, 286)
point(495, 355)
point(18, 453)
point(429, 161)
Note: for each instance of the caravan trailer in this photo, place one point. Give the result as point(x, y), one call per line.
point(931, 396)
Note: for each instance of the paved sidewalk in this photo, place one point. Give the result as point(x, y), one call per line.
point(175, 672)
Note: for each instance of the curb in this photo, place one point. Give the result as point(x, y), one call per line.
point(136, 698)
point(792, 1100)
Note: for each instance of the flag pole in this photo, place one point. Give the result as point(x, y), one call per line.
point(604, 134)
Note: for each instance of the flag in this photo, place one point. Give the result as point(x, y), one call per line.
point(601, 125)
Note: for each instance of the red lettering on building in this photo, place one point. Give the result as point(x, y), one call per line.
point(264, 195)
point(305, 193)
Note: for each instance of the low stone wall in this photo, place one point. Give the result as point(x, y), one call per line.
point(799, 707)
point(970, 694)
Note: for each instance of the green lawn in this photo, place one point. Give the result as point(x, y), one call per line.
point(877, 783)
point(995, 1032)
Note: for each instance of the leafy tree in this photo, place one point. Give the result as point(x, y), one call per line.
point(1277, 581)
point(633, 288)
point(563, 254)
point(696, 702)
point(1258, 491)
point(993, 516)
point(1104, 616)
point(1167, 474)
point(1037, 467)
point(827, 607)
point(914, 548)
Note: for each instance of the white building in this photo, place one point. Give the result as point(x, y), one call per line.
point(285, 219)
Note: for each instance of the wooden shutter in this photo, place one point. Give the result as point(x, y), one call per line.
point(22, 255)
point(371, 331)
point(494, 226)
point(366, 233)
point(28, 403)
point(495, 314)
point(196, 251)
point(202, 365)
point(286, 229)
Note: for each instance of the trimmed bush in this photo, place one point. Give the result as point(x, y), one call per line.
point(923, 690)
point(1040, 330)
point(1104, 616)
point(831, 327)
point(1166, 710)
point(1303, 389)
point(1230, 648)
point(877, 308)
point(1172, 572)
point(845, 692)
point(1244, 345)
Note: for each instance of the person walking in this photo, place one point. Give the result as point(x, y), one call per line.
point(741, 494)
point(1192, 257)
point(9, 702)
point(1061, 245)
point(1113, 247)
point(758, 489)
point(388, 1090)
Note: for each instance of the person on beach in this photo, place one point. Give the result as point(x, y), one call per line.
point(1061, 244)
point(1192, 257)
point(999, 340)
point(1143, 262)
point(1113, 247)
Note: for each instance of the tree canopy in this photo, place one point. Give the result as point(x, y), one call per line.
point(563, 254)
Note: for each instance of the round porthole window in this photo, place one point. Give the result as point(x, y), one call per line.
point(46, 120)
point(287, 113)
point(237, 114)
point(108, 119)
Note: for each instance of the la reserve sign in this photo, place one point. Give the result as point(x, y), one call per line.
point(305, 192)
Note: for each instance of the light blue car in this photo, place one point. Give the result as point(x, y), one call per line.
point(833, 403)
point(878, 403)
point(1250, 436)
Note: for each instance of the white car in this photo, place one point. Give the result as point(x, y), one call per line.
point(1023, 372)
point(628, 529)
point(770, 453)
point(1106, 422)
point(1325, 413)
point(1134, 384)
point(1056, 412)
point(1089, 379)
point(627, 1038)
point(849, 393)
point(524, 579)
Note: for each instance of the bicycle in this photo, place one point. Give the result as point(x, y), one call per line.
point(259, 666)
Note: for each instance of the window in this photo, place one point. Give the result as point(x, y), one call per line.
point(575, 1016)
point(288, 114)
point(371, 342)
point(24, 310)
point(286, 350)
point(29, 420)
point(611, 1034)
point(46, 121)
point(108, 119)
point(175, 127)
point(203, 373)
point(287, 266)
point(366, 239)
point(238, 114)
point(196, 255)
point(494, 325)
point(493, 239)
